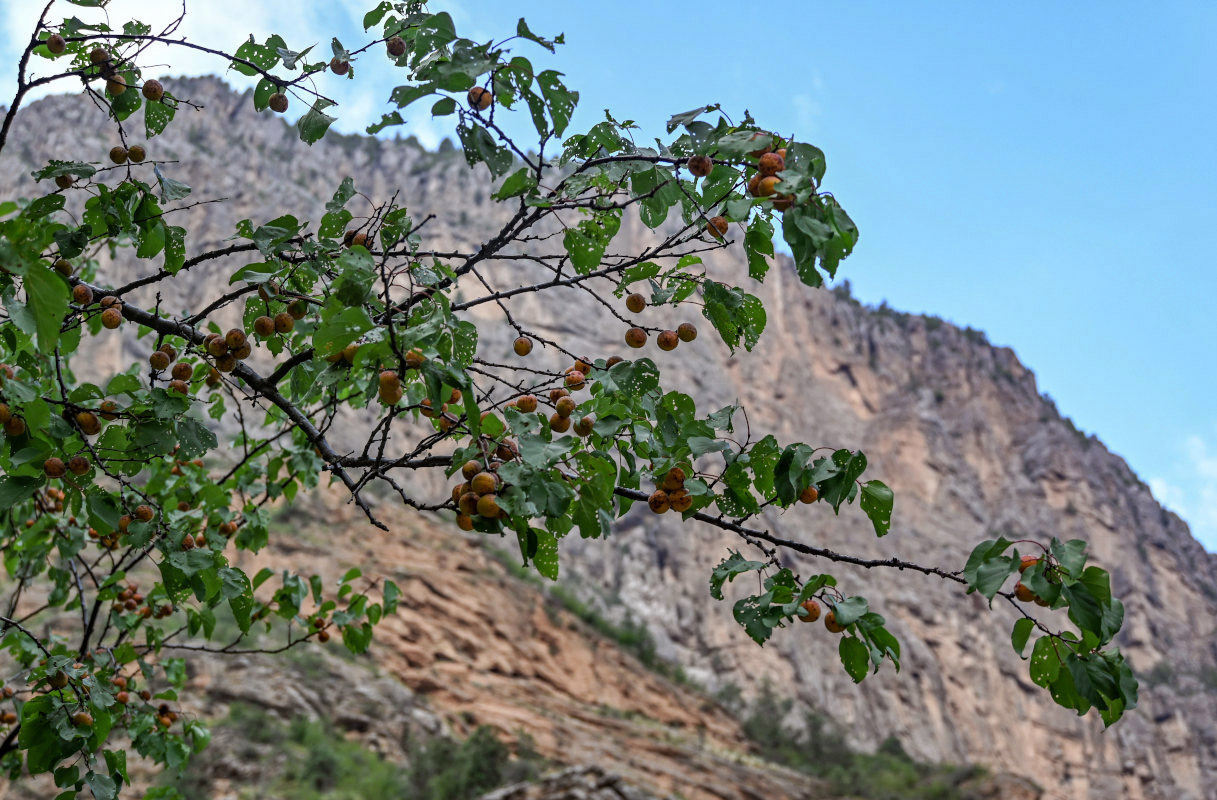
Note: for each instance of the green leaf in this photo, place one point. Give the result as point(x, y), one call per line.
point(16, 489)
point(727, 569)
point(519, 182)
point(158, 115)
point(313, 125)
point(546, 556)
point(560, 100)
point(1020, 634)
point(849, 610)
point(876, 501)
point(1045, 663)
point(855, 657)
point(47, 300)
point(170, 189)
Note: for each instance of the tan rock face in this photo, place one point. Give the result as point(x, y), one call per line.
point(955, 426)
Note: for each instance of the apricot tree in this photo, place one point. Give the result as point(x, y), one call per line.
point(355, 359)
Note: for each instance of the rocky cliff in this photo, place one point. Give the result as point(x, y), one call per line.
point(956, 426)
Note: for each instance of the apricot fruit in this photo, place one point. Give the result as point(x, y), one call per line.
point(88, 423)
point(144, 513)
point(99, 55)
point(527, 404)
point(771, 164)
point(613, 360)
point(277, 102)
point(470, 468)
point(557, 394)
point(575, 380)
point(153, 90)
point(136, 154)
point(667, 340)
point(813, 610)
point(687, 331)
point(243, 352)
point(830, 622)
point(584, 426)
point(565, 406)
point(159, 361)
point(700, 166)
point(79, 465)
point(464, 522)
point(1026, 563)
point(108, 410)
point(635, 337)
point(522, 346)
point(767, 186)
point(339, 67)
point(63, 181)
point(396, 46)
point(116, 85)
point(58, 680)
point(55, 44)
point(390, 390)
point(6, 413)
point(659, 501)
point(717, 226)
point(234, 338)
point(284, 323)
point(809, 495)
point(82, 719)
point(673, 479)
point(298, 309)
point(479, 98)
point(484, 483)
point(82, 295)
point(635, 303)
point(488, 506)
point(468, 503)
point(1023, 592)
point(414, 359)
point(226, 362)
point(54, 467)
point(680, 501)
point(111, 318)
point(559, 423)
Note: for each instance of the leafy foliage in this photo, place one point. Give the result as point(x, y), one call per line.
point(124, 507)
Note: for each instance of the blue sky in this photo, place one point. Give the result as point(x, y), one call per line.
point(1041, 171)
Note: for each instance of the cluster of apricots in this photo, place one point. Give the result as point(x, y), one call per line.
point(130, 600)
point(121, 155)
point(1021, 590)
point(636, 337)
point(478, 495)
point(763, 183)
point(124, 689)
point(671, 493)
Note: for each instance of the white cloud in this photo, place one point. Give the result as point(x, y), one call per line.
point(1191, 492)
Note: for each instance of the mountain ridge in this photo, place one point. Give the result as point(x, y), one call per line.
point(958, 427)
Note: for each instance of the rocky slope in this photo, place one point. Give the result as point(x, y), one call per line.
point(956, 426)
